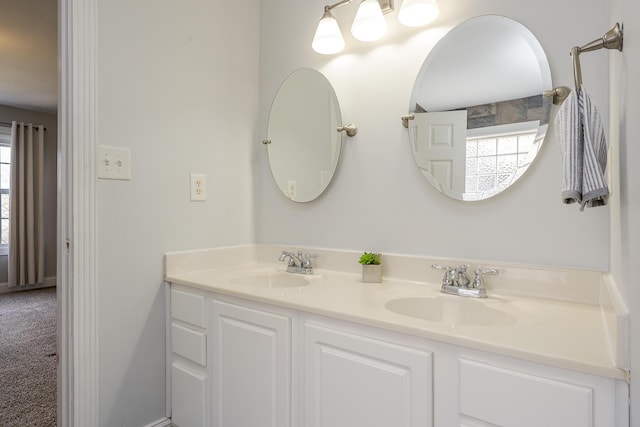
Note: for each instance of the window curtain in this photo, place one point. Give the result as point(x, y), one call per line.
point(26, 235)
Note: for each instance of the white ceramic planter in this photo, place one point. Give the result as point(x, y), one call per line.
point(372, 273)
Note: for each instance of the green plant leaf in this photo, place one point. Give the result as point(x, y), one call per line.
point(369, 258)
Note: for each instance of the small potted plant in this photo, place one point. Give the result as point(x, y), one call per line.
point(371, 267)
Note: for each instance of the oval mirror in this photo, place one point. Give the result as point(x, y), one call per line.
point(479, 106)
point(304, 146)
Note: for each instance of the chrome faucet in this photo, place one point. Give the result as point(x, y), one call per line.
point(457, 282)
point(304, 264)
point(291, 255)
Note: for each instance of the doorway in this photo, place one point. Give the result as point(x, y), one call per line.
point(28, 93)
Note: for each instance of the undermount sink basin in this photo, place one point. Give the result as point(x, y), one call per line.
point(451, 311)
point(271, 280)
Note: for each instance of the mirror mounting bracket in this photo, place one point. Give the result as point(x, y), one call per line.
point(405, 119)
point(350, 129)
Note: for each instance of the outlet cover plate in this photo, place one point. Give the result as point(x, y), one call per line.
point(198, 187)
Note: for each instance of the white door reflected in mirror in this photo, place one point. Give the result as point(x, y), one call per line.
point(439, 146)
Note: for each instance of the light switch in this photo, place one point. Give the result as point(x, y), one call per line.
point(114, 163)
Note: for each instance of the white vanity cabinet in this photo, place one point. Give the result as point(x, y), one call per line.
point(188, 338)
point(236, 362)
point(356, 375)
point(355, 378)
point(251, 365)
point(230, 361)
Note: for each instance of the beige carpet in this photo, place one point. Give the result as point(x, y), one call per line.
point(28, 359)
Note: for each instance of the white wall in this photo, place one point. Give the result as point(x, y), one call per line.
point(178, 85)
point(625, 206)
point(378, 199)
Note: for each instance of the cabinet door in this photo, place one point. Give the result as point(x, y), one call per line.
point(355, 380)
point(505, 397)
point(251, 367)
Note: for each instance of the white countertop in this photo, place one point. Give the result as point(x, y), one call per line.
point(562, 334)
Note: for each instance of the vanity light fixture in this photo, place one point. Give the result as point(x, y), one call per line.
point(328, 38)
point(369, 23)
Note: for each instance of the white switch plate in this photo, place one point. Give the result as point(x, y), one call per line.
point(114, 162)
point(198, 187)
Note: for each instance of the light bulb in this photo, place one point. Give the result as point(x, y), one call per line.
point(369, 23)
point(328, 38)
point(416, 13)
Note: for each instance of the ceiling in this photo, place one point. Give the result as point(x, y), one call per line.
point(29, 54)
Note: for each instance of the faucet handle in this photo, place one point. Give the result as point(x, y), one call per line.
point(449, 274)
point(477, 281)
point(307, 259)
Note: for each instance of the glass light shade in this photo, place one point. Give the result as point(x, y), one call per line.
point(328, 38)
point(416, 13)
point(369, 23)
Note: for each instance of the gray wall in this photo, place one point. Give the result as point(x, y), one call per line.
point(378, 199)
point(50, 121)
point(178, 85)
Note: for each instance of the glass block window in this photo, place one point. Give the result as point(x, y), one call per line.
point(492, 161)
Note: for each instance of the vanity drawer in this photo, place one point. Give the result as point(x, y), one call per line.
point(188, 391)
point(510, 398)
point(189, 344)
point(188, 307)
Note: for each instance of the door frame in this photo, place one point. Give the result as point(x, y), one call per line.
point(77, 240)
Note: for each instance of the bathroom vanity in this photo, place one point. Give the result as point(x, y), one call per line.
point(252, 345)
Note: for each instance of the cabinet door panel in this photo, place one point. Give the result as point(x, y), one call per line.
point(353, 380)
point(251, 367)
point(510, 398)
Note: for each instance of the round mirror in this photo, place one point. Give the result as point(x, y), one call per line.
point(304, 146)
point(479, 106)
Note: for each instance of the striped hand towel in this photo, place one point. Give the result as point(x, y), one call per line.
point(583, 149)
point(594, 187)
point(571, 140)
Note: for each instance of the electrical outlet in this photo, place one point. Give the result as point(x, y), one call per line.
point(292, 188)
point(114, 163)
point(198, 187)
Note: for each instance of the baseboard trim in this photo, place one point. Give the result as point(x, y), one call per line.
point(49, 282)
point(162, 422)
